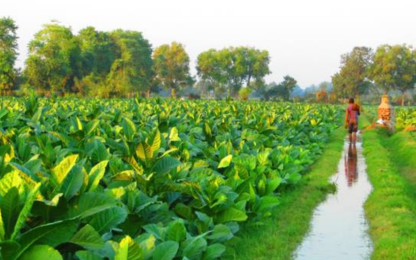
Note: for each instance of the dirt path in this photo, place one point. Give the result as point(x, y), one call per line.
point(339, 228)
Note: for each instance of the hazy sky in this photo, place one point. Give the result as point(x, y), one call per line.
point(305, 38)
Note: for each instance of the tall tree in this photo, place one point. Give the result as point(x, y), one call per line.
point(251, 63)
point(394, 67)
point(289, 83)
point(233, 67)
point(132, 70)
point(171, 63)
point(98, 51)
point(54, 59)
point(8, 53)
point(352, 79)
point(284, 89)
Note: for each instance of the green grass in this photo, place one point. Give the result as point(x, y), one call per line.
point(281, 234)
point(391, 207)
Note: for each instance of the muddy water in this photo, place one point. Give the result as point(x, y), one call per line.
point(339, 228)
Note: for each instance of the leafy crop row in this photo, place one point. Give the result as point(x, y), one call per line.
point(405, 117)
point(155, 179)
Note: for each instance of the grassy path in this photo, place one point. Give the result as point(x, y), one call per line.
point(281, 234)
point(391, 207)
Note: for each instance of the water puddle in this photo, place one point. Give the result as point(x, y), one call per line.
point(339, 227)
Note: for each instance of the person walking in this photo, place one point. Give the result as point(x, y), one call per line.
point(351, 120)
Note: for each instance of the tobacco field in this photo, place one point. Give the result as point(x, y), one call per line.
point(140, 179)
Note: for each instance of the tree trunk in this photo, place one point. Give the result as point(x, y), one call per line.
point(148, 93)
point(172, 93)
point(403, 98)
point(248, 80)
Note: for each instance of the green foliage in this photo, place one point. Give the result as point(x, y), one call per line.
point(282, 90)
point(132, 70)
point(394, 67)
point(146, 179)
point(352, 79)
point(54, 59)
point(95, 63)
point(233, 67)
point(405, 117)
point(8, 53)
point(244, 93)
point(172, 66)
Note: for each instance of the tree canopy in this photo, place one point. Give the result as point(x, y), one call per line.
point(108, 64)
point(284, 89)
point(121, 63)
point(8, 53)
point(54, 59)
point(352, 79)
point(394, 67)
point(132, 70)
point(171, 63)
point(233, 67)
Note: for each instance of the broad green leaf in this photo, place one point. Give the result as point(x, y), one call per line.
point(91, 126)
point(129, 250)
point(41, 252)
point(136, 166)
point(155, 230)
point(10, 208)
point(166, 250)
point(60, 172)
point(87, 255)
point(9, 249)
point(36, 117)
point(156, 142)
point(266, 203)
point(200, 164)
point(128, 127)
point(147, 242)
point(88, 238)
point(79, 124)
point(176, 231)
point(273, 184)
point(225, 162)
point(54, 201)
point(96, 174)
point(231, 214)
point(73, 182)
point(91, 203)
point(262, 157)
point(174, 135)
point(165, 165)
point(194, 247)
point(24, 213)
point(214, 252)
point(2, 231)
point(221, 233)
point(51, 234)
point(10, 180)
point(108, 219)
point(140, 152)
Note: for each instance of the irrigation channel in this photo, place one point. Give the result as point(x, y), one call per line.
point(339, 227)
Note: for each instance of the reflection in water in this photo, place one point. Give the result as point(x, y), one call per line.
point(351, 171)
point(339, 228)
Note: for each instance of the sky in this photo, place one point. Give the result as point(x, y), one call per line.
point(305, 38)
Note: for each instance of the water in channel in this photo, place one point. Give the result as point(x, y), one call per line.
point(339, 227)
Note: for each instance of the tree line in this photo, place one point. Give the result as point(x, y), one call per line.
point(121, 63)
point(388, 68)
